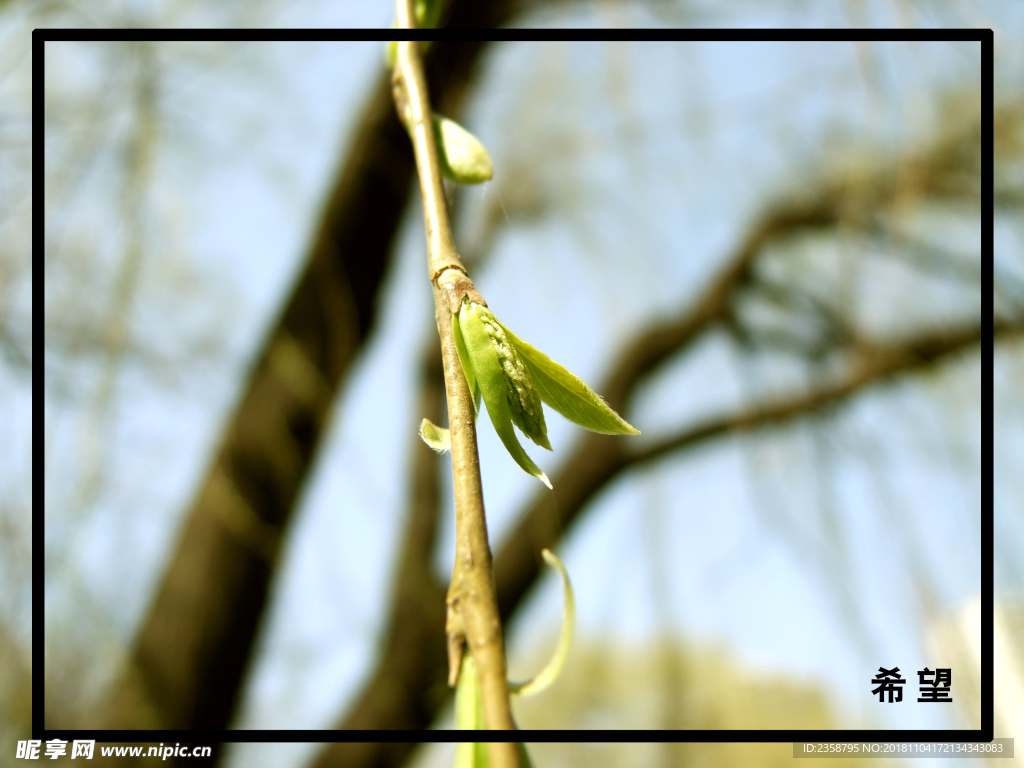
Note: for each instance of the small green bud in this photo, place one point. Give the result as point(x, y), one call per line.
point(428, 12)
point(436, 437)
point(463, 158)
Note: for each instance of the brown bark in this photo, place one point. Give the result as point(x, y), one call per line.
point(472, 623)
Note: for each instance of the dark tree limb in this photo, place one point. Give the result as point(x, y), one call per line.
point(194, 644)
point(598, 460)
point(402, 691)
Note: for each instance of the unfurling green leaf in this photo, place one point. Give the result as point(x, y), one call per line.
point(514, 378)
point(568, 394)
point(476, 325)
point(463, 158)
point(436, 437)
point(469, 714)
point(553, 668)
point(467, 364)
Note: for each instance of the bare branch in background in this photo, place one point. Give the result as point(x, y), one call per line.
point(598, 460)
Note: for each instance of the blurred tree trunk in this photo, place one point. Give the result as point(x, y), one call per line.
point(195, 642)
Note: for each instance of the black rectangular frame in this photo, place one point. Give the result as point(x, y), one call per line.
point(983, 734)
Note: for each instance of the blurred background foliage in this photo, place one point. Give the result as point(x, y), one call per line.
point(741, 579)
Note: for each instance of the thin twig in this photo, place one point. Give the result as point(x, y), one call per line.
point(472, 599)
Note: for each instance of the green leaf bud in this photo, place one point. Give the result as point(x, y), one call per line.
point(483, 368)
point(436, 437)
point(463, 158)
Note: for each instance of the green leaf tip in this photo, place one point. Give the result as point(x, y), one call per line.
point(463, 158)
point(469, 715)
point(436, 437)
point(568, 394)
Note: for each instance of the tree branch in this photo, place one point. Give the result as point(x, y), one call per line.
point(194, 645)
point(472, 600)
point(874, 364)
point(598, 459)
